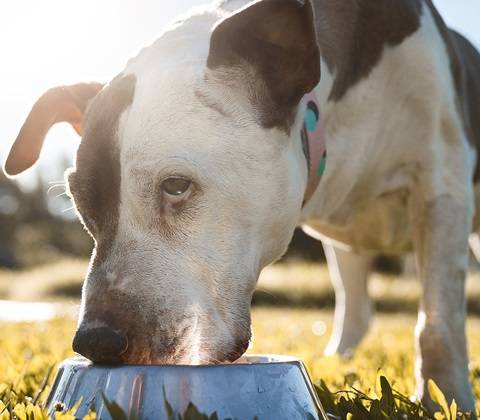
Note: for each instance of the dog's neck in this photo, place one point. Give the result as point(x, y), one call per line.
point(353, 35)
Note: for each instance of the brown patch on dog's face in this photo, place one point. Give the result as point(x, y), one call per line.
point(95, 183)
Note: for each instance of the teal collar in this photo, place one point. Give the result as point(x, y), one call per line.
point(313, 143)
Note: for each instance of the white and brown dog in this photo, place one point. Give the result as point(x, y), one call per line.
point(191, 175)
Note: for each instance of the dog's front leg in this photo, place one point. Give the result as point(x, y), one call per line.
point(353, 309)
point(441, 246)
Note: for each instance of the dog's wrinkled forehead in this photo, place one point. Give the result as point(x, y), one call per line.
point(95, 183)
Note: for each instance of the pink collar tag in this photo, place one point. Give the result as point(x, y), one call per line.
point(313, 143)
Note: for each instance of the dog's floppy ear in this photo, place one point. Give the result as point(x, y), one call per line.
point(277, 38)
point(59, 104)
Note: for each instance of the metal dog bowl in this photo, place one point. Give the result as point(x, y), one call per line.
point(266, 387)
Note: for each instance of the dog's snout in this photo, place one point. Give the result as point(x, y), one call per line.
point(100, 344)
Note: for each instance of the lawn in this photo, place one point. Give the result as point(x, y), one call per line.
point(29, 350)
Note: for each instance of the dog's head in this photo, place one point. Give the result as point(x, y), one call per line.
point(188, 180)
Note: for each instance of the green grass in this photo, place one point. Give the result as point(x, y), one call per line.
point(387, 350)
point(286, 320)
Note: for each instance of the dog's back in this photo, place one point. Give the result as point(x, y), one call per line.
point(465, 68)
point(467, 76)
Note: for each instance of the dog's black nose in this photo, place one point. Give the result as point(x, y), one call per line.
point(100, 344)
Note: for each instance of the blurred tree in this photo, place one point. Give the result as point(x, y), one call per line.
point(34, 226)
point(10, 196)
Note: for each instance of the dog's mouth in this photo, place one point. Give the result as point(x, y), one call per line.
point(179, 352)
point(181, 358)
point(188, 341)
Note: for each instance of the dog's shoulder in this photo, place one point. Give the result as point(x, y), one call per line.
point(354, 35)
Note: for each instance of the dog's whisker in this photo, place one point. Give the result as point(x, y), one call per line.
point(52, 187)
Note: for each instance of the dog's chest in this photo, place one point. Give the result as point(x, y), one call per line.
point(381, 225)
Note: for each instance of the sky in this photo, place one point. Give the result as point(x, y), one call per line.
point(52, 42)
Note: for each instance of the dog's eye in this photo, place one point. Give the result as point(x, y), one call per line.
point(175, 186)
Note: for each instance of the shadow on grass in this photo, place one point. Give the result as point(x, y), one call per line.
point(300, 299)
point(67, 290)
point(326, 300)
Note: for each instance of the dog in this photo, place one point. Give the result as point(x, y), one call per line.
point(192, 175)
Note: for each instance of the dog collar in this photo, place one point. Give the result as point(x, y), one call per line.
point(313, 143)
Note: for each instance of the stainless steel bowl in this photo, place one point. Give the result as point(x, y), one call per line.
point(266, 387)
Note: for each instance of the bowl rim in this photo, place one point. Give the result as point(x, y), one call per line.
point(261, 359)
